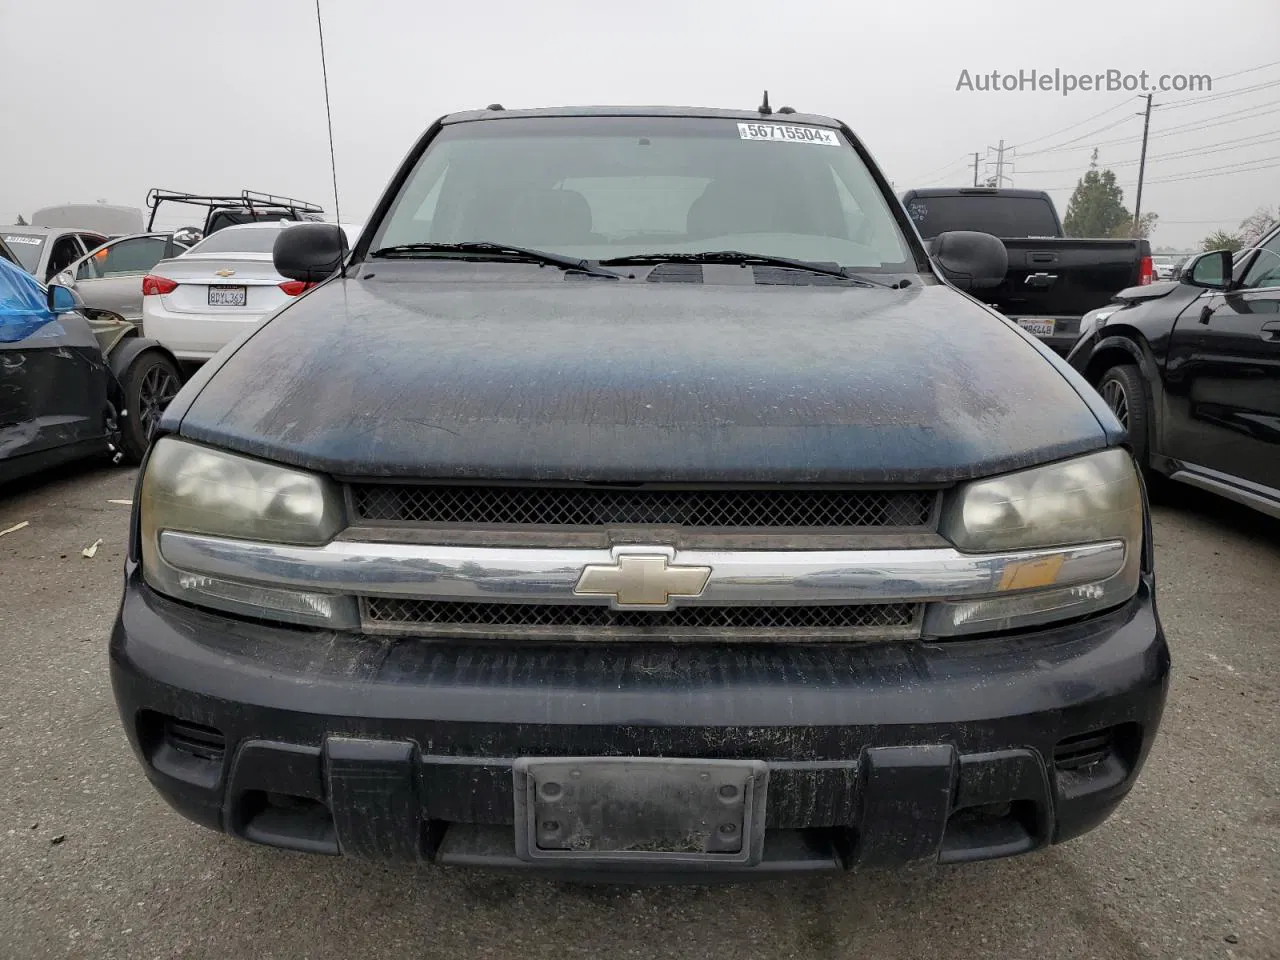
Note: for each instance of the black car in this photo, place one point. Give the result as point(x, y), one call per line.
point(638, 498)
point(75, 382)
point(1192, 369)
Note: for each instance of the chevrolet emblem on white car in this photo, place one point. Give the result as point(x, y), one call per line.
point(642, 579)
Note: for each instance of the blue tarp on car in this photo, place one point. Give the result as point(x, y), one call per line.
point(24, 310)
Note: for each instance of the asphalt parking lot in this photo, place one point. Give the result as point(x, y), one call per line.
point(93, 864)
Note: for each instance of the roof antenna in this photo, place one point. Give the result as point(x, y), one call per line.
point(324, 70)
point(764, 107)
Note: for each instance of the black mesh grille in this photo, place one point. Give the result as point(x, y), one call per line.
point(591, 506)
point(383, 610)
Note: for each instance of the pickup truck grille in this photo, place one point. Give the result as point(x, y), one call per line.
point(551, 506)
point(833, 621)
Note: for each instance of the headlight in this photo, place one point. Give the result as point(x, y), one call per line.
point(1096, 318)
point(1088, 500)
point(195, 489)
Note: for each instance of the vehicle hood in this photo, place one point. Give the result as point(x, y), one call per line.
point(1150, 291)
point(597, 380)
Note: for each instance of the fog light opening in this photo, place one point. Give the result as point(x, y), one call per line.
point(989, 830)
point(286, 820)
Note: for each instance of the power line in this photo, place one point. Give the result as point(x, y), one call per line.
point(1206, 173)
point(1215, 171)
point(1182, 154)
point(1239, 73)
point(1218, 220)
point(963, 160)
point(1083, 136)
point(1248, 113)
point(1078, 123)
point(1210, 97)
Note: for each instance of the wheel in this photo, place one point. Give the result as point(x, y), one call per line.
point(1125, 392)
point(150, 383)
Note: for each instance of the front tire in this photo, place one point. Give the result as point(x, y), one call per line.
point(149, 384)
point(1125, 392)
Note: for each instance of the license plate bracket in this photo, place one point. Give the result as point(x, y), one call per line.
point(1037, 328)
point(225, 295)
point(630, 810)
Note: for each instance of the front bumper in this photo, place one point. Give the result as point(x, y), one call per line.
point(877, 754)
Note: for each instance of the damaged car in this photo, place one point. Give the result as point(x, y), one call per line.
point(75, 382)
point(639, 498)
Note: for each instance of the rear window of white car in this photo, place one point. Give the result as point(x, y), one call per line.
point(239, 240)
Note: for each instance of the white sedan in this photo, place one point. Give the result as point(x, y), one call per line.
point(197, 303)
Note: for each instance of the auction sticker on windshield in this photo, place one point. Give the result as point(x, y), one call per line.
point(781, 131)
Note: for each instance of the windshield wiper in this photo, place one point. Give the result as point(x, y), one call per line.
point(738, 256)
point(487, 250)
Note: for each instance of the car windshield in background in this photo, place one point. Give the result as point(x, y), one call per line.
point(1006, 216)
point(239, 240)
point(26, 248)
point(606, 187)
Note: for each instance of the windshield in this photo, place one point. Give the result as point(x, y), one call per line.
point(239, 240)
point(604, 187)
point(987, 213)
point(26, 248)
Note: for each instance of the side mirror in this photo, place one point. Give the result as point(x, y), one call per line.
point(310, 252)
point(970, 260)
point(1209, 270)
point(65, 279)
point(63, 299)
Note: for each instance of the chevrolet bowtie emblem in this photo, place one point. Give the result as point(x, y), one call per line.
point(642, 579)
point(225, 273)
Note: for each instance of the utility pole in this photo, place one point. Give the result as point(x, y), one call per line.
point(1001, 163)
point(975, 168)
point(1142, 167)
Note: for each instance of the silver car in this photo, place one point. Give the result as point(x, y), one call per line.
point(110, 277)
point(197, 303)
point(44, 252)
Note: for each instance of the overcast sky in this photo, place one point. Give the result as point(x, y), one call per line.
point(102, 100)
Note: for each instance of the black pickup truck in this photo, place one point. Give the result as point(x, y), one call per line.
point(638, 498)
point(1053, 280)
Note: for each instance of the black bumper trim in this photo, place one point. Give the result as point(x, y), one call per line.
point(878, 754)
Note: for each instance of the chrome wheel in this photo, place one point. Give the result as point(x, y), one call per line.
point(158, 387)
point(1114, 394)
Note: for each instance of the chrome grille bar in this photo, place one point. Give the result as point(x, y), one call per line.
point(549, 575)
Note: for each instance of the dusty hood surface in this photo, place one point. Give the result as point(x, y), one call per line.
point(607, 381)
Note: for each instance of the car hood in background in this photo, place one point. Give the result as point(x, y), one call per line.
point(596, 380)
point(1153, 291)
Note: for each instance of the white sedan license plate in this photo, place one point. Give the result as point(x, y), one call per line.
point(221, 296)
point(1037, 328)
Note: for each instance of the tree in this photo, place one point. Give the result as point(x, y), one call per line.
point(1257, 225)
point(1096, 208)
point(1221, 240)
point(1146, 224)
point(20, 222)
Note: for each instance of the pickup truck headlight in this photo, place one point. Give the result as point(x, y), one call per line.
point(196, 489)
point(1088, 500)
